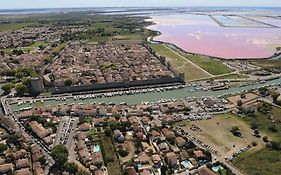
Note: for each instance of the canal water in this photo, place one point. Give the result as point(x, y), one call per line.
point(149, 97)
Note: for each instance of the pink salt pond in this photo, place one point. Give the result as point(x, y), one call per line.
point(201, 34)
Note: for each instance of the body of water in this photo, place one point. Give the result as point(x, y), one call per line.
point(230, 37)
point(151, 96)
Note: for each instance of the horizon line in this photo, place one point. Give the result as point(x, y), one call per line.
point(41, 8)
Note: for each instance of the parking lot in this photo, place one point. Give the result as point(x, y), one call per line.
point(66, 131)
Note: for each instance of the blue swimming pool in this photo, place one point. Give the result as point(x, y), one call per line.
point(187, 164)
point(96, 148)
point(217, 168)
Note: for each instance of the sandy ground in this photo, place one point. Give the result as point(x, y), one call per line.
point(130, 147)
point(248, 97)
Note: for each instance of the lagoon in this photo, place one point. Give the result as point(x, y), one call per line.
point(201, 34)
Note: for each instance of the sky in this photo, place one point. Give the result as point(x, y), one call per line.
point(19, 4)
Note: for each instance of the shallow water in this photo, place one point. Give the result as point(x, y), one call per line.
point(201, 34)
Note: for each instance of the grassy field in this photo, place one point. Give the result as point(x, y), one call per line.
point(212, 66)
point(232, 76)
point(26, 49)
point(264, 121)
point(59, 48)
point(180, 64)
point(37, 44)
point(262, 162)
point(12, 26)
point(267, 63)
point(216, 132)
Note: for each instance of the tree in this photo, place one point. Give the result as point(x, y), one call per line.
point(234, 130)
point(239, 103)
point(243, 96)
point(108, 132)
point(274, 96)
point(19, 75)
point(265, 108)
point(68, 82)
point(164, 169)
point(71, 167)
point(254, 125)
point(265, 139)
point(41, 47)
point(26, 81)
point(274, 146)
point(60, 155)
point(42, 160)
point(3, 147)
point(8, 87)
point(263, 91)
point(21, 89)
point(13, 139)
point(47, 60)
point(273, 128)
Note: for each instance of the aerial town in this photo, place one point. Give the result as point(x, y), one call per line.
point(96, 93)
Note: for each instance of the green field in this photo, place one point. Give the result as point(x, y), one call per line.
point(12, 26)
point(37, 44)
point(180, 64)
point(212, 66)
point(59, 48)
point(262, 162)
point(232, 76)
point(110, 28)
point(266, 63)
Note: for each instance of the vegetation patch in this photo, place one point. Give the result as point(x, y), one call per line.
point(12, 26)
point(267, 119)
point(260, 163)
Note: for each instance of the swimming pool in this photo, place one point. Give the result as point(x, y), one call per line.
point(187, 164)
point(96, 148)
point(217, 168)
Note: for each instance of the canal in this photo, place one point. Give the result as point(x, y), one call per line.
point(148, 97)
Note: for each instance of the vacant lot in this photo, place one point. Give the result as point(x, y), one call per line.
point(113, 166)
point(212, 66)
point(130, 147)
point(191, 71)
point(248, 97)
point(216, 133)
